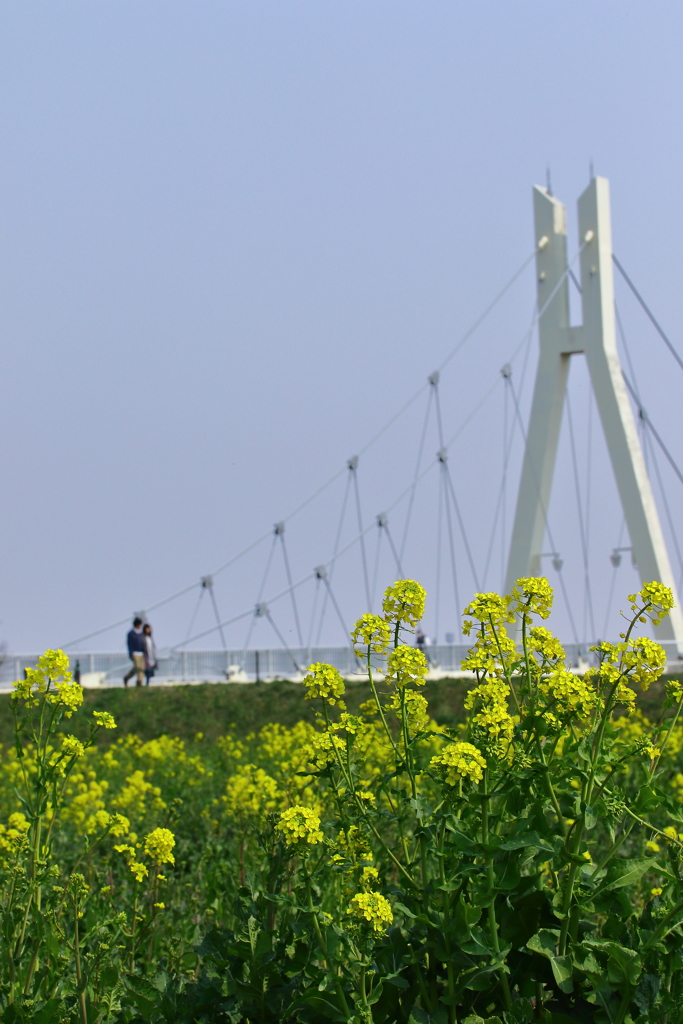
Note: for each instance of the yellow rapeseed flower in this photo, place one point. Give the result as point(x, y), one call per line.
point(138, 870)
point(543, 642)
point(406, 665)
point(568, 694)
point(104, 719)
point(324, 681)
point(159, 844)
point(373, 908)
point(371, 632)
point(459, 761)
point(300, 826)
point(531, 594)
point(250, 793)
point(404, 601)
point(656, 599)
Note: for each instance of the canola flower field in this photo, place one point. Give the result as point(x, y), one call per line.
point(524, 864)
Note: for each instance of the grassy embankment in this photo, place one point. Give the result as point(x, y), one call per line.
point(214, 709)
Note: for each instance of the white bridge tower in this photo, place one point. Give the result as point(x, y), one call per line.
point(596, 339)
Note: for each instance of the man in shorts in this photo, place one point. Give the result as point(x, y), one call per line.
point(136, 652)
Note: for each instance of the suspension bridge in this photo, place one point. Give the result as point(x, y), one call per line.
point(611, 524)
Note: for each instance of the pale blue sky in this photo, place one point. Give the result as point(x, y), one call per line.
point(235, 237)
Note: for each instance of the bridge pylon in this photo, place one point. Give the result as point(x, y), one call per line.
point(596, 339)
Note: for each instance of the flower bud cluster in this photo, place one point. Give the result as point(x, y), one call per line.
point(459, 761)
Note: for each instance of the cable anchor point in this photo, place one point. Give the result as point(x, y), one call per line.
point(352, 463)
point(556, 560)
point(615, 557)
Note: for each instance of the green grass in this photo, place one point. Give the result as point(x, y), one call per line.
point(213, 709)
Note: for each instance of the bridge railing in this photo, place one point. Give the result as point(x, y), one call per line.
point(108, 668)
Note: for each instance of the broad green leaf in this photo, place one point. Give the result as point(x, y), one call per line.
point(404, 910)
point(626, 871)
point(544, 942)
point(646, 994)
point(562, 972)
point(420, 1016)
point(474, 1019)
point(527, 839)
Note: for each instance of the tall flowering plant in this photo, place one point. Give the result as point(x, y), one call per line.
point(62, 936)
point(525, 866)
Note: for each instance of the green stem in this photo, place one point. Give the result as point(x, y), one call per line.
point(83, 1010)
point(493, 926)
point(663, 926)
point(379, 706)
point(364, 813)
point(667, 737)
point(323, 946)
point(447, 926)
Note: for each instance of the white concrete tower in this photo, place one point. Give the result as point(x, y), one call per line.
point(597, 340)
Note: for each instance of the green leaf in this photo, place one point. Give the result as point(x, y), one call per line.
point(562, 971)
point(646, 994)
point(397, 980)
point(48, 1012)
point(544, 942)
point(419, 1016)
point(527, 839)
point(626, 871)
point(474, 1019)
point(647, 799)
point(404, 910)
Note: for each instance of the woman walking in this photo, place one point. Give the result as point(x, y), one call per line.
point(151, 663)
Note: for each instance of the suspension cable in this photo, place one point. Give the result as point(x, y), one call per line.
point(451, 540)
point(281, 638)
point(468, 334)
point(261, 588)
point(615, 566)
point(417, 471)
point(377, 553)
point(196, 609)
point(328, 588)
point(627, 351)
point(311, 627)
point(329, 565)
point(456, 506)
point(353, 466)
point(500, 502)
point(281, 527)
point(394, 552)
point(648, 311)
point(667, 509)
point(209, 586)
point(206, 632)
point(439, 524)
point(231, 561)
point(649, 424)
point(334, 554)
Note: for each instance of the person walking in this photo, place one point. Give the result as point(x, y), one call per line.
point(151, 663)
point(136, 652)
